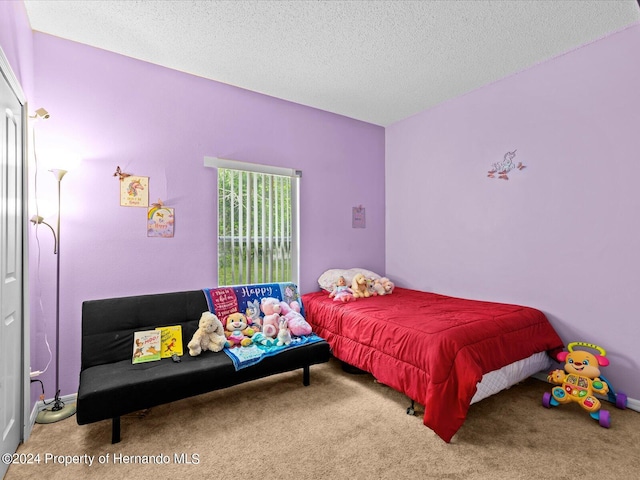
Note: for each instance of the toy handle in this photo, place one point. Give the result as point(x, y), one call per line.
point(600, 350)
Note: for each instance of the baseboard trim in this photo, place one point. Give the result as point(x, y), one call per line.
point(40, 405)
point(632, 403)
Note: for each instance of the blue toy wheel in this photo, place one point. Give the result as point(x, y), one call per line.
point(546, 400)
point(621, 400)
point(604, 419)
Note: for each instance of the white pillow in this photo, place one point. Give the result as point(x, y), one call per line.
point(328, 279)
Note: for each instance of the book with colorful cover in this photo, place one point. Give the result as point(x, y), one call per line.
point(170, 341)
point(146, 346)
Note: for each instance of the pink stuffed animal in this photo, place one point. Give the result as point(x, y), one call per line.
point(297, 324)
point(271, 309)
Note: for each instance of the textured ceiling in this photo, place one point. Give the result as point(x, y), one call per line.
point(376, 61)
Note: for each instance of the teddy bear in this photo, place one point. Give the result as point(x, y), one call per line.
point(238, 331)
point(209, 335)
point(359, 286)
point(271, 309)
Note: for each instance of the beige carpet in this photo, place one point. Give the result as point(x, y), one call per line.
point(342, 426)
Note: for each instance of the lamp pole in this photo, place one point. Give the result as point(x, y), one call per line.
point(59, 410)
point(58, 173)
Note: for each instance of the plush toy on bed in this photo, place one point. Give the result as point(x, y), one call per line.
point(238, 331)
point(371, 287)
point(579, 380)
point(359, 286)
point(377, 287)
point(209, 335)
point(341, 292)
point(387, 285)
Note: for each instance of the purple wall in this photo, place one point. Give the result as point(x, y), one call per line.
point(16, 40)
point(561, 235)
point(110, 110)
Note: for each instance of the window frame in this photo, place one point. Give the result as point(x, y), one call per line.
point(295, 175)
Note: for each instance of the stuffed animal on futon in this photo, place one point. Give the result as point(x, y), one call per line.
point(297, 324)
point(238, 331)
point(209, 335)
point(260, 339)
point(253, 315)
point(284, 334)
point(270, 321)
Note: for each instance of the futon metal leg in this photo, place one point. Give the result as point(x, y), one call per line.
point(412, 409)
point(115, 430)
point(305, 375)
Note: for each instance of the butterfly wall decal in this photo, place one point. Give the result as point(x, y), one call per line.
point(121, 174)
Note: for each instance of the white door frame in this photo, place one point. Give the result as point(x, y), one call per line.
point(7, 72)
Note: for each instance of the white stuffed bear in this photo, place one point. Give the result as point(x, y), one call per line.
point(209, 336)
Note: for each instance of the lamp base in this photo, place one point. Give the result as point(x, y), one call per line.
point(56, 413)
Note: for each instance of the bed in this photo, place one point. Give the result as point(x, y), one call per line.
point(442, 352)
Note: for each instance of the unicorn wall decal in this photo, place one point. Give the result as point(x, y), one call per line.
point(505, 166)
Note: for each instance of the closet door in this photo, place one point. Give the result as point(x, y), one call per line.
point(11, 271)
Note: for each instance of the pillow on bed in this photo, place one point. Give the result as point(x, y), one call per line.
point(328, 279)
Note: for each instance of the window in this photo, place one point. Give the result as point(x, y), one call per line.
point(257, 223)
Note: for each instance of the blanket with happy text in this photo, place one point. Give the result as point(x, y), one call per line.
point(223, 301)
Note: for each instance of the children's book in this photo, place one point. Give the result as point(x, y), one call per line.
point(146, 346)
point(171, 341)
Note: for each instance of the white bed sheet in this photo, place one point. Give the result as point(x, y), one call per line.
point(509, 375)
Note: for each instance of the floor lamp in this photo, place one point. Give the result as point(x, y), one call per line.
point(58, 411)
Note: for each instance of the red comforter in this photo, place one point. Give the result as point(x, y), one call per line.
point(431, 347)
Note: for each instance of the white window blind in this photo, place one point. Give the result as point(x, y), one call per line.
point(257, 223)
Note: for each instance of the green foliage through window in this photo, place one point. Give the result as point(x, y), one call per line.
point(254, 227)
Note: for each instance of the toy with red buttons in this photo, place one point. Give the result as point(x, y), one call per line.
point(581, 380)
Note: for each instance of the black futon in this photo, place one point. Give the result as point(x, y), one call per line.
point(111, 386)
